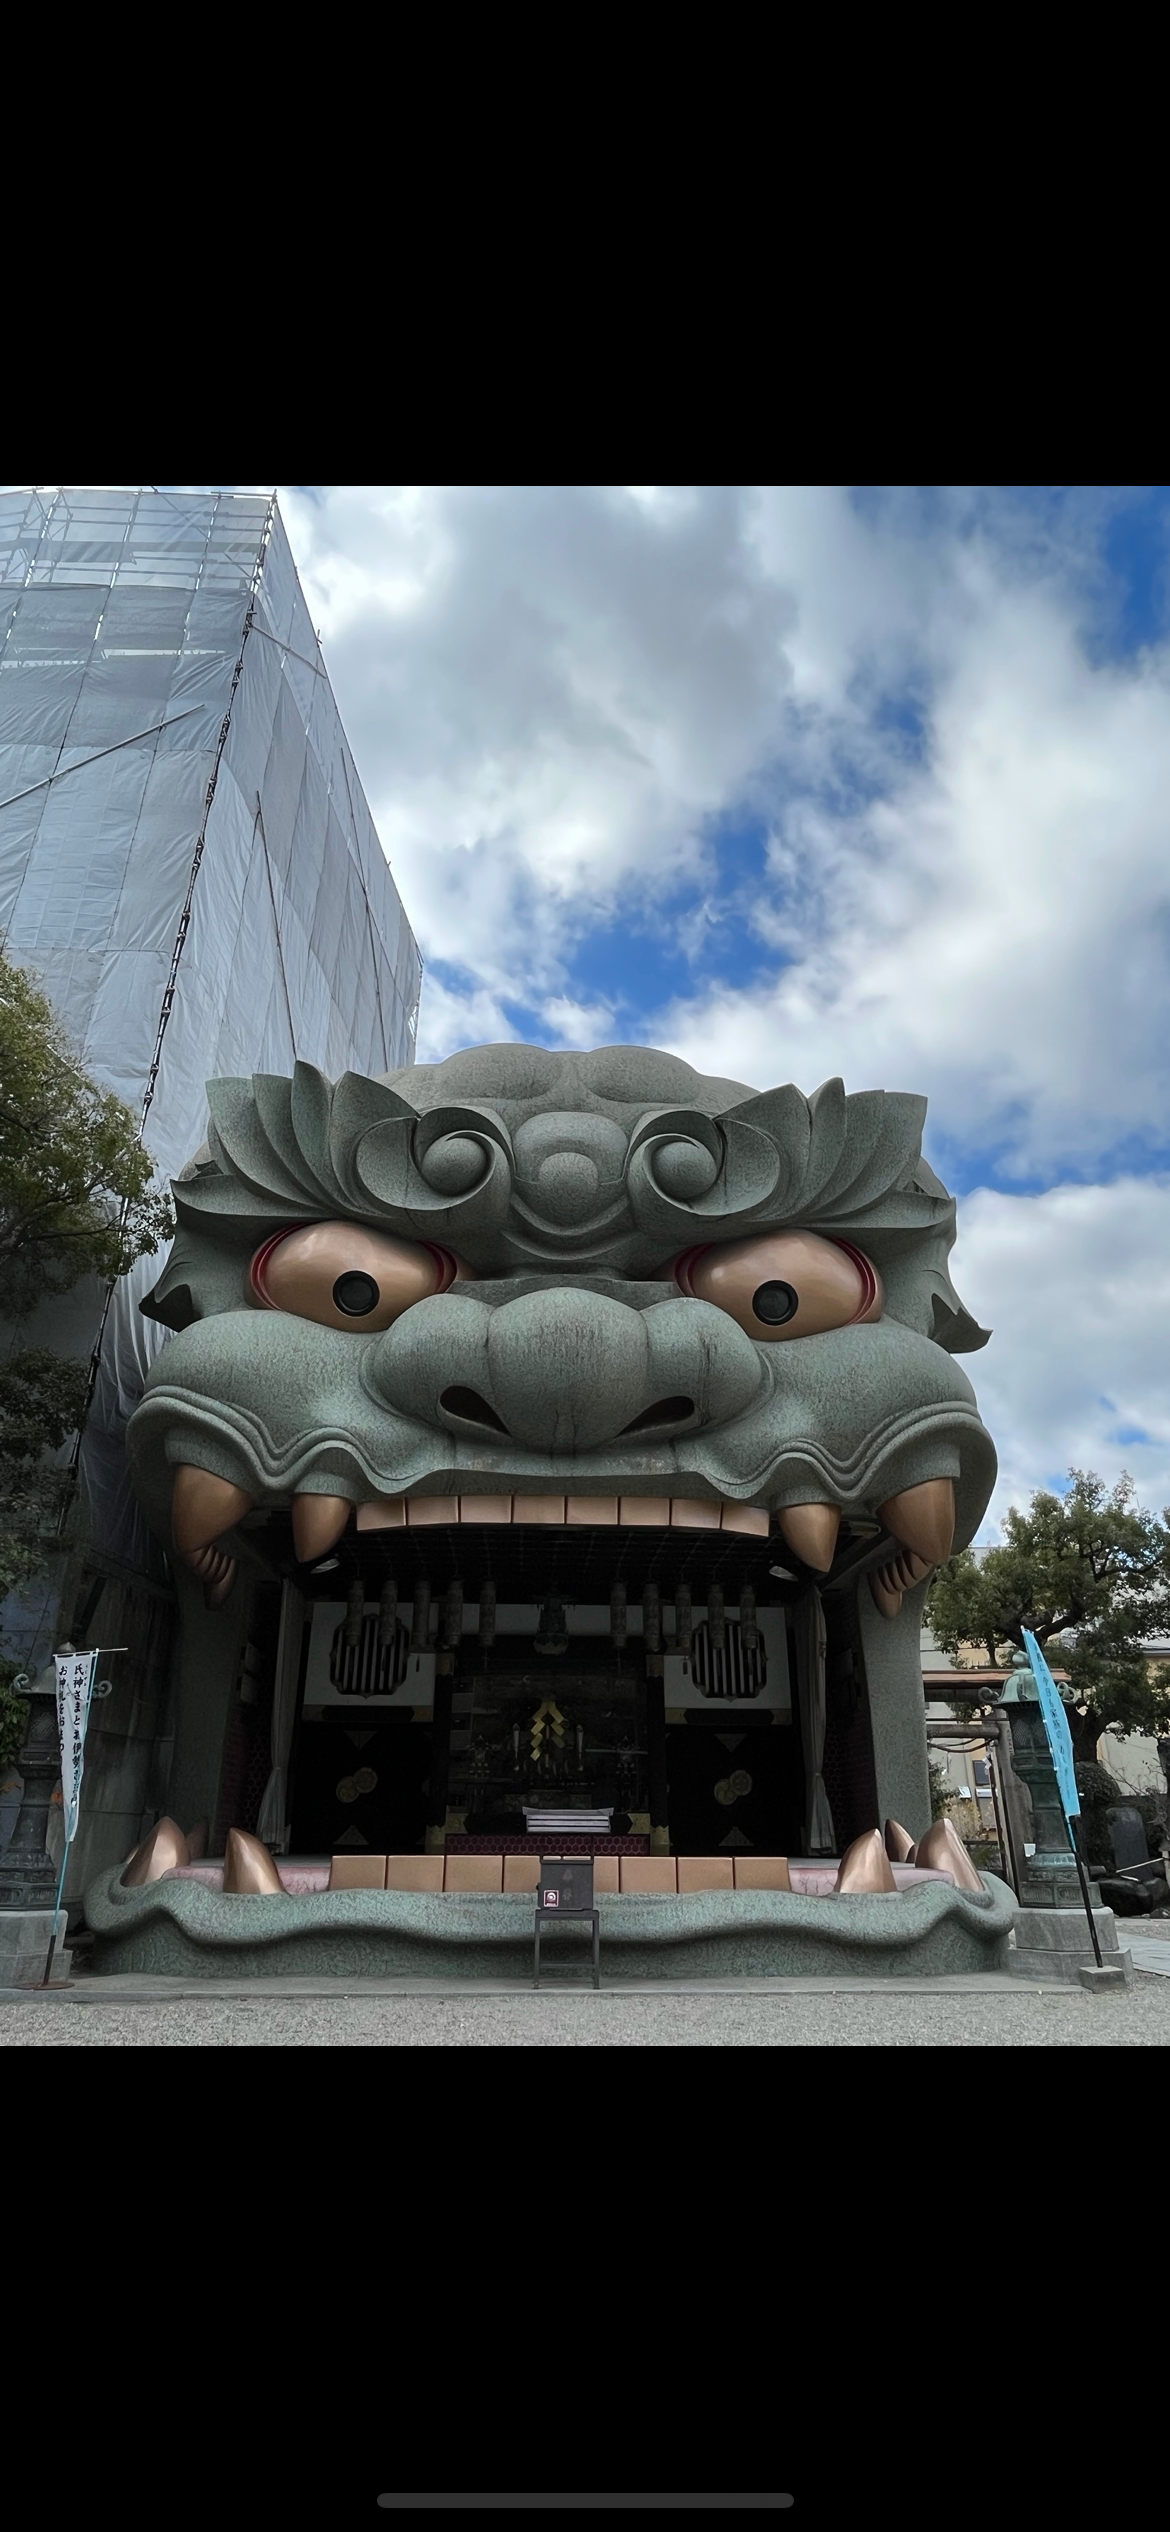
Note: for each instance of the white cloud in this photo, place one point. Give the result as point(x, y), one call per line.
point(994, 929)
point(1075, 1285)
point(548, 692)
point(447, 1020)
point(553, 692)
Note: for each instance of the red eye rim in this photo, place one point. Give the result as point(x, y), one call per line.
point(256, 1281)
point(684, 1268)
point(446, 1265)
point(869, 1282)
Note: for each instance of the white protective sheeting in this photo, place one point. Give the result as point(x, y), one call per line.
point(179, 809)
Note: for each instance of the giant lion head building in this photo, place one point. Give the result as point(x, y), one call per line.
point(599, 1425)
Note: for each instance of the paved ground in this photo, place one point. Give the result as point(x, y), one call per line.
point(1151, 1951)
point(955, 2013)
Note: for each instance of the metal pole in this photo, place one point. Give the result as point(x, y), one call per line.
point(1074, 1830)
point(47, 1979)
point(1000, 1829)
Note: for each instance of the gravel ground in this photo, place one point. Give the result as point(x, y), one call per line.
point(1021, 2018)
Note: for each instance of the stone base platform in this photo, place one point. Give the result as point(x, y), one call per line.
point(24, 1946)
point(180, 1928)
point(1054, 1944)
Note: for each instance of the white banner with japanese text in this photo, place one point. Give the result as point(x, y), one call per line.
point(75, 1677)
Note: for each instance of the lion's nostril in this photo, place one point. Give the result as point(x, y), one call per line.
point(664, 1411)
point(471, 1409)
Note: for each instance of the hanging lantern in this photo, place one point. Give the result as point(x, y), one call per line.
point(552, 1634)
point(451, 1621)
point(748, 1627)
point(421, 1617)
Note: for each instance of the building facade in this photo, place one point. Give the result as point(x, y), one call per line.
point(580, 1433)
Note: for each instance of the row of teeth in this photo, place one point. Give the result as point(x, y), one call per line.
point(922, 1518)
point(250, 1870)
point(585, 1512)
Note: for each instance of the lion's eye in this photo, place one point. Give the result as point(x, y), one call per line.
point(784, 1284)
point(345, 1277)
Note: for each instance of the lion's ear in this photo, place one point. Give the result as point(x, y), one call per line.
point(175, 1309)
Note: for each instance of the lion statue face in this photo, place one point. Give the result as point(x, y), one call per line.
point(579, 1276)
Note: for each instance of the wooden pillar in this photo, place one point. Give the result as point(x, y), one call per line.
point(440, 1753)
point(446, 1659)
point(656, 1756)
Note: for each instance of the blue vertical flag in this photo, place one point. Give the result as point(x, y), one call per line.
point(1056, 1728)
point(1059, 1740)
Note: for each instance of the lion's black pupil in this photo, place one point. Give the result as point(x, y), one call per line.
point(357, 1295)
point(773, 1303)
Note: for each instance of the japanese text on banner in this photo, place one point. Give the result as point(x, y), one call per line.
point(75, 1675)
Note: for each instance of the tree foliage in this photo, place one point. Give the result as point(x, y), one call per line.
point(42, 1400)
point(76, 1191)
point(76, 1198)
point(13, 1714)
point(1089, 1566)
point(943, 1795)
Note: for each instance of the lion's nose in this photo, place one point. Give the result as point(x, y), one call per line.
point(566, 1370)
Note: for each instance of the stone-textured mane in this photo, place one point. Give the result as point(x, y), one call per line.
point(432, 1153)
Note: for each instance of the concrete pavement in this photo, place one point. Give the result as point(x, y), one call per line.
point(797, 2013)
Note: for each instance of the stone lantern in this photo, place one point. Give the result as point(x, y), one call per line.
point(1048, 1878)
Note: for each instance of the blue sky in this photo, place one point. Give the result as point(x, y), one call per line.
point(803, 781)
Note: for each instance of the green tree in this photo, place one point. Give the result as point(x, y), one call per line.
point(76, 1198)
point(42, 1401)
point(76, 1192)
point(13, 1714)
point(943, 1795)
point(1090, 1566)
